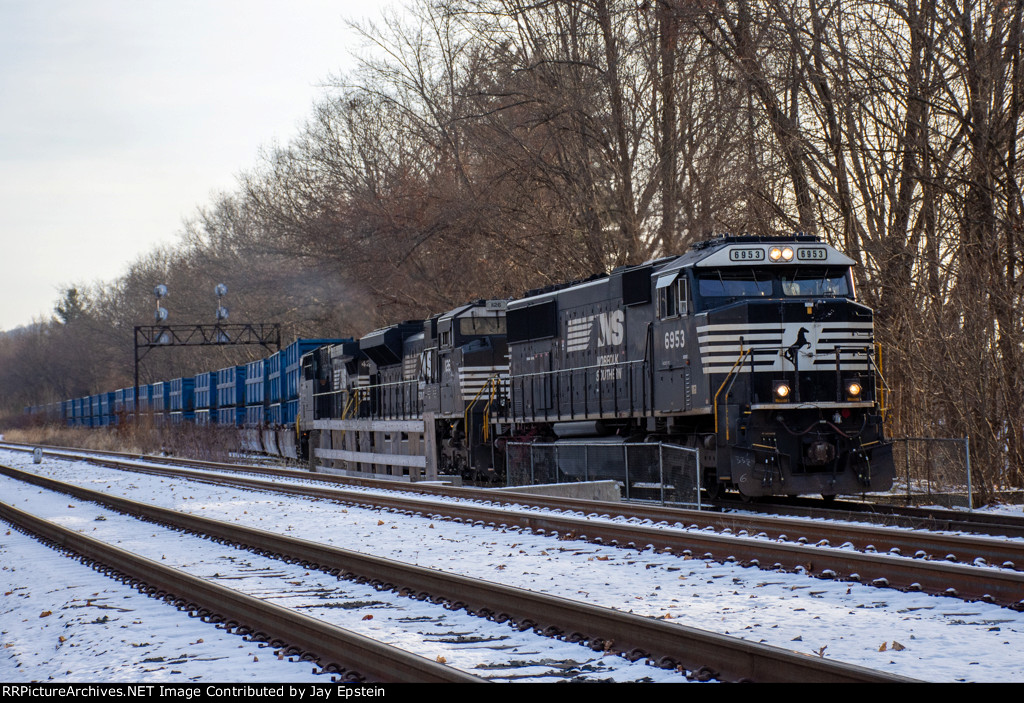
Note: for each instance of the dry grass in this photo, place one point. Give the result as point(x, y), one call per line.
point(132, 439)
point(207, 443)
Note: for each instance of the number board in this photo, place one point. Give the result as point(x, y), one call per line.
point(812, 253)
point(746, 254)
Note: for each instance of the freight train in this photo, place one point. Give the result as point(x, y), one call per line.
point(752, 350)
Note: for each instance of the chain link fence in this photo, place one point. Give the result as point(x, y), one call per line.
point(933, 471)
point(662, 473)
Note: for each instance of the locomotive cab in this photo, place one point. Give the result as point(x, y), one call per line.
point(789, 362)
point(465, 371)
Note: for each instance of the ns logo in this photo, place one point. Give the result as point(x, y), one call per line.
point(610, 332)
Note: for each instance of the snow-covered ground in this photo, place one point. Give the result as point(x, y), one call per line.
point(153, 635)
point(914, 635)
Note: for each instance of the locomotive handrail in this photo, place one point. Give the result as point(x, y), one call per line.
point(749, 351)
point(578, 368)
point(557, 374)
point(469, 407)
point(408, 404)
point(883, 389)
point(496, 380)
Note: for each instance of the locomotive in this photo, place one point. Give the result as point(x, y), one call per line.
point(752, 349)
point(448, 371)
point(750, 352)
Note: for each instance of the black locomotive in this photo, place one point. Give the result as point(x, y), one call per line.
point(752, 349)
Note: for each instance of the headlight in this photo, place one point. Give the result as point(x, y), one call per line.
point(787, 254)
point(775, 253)
point(781, 391)
point(854, 389)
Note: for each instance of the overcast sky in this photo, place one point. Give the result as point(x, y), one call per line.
point(118, 118)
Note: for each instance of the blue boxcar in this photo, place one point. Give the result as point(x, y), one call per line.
point(145, 399)
point(107, 416)
point(129, 402)
point(119, 411)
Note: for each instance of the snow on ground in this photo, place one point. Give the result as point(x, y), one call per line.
point(469, 643)
point(62, 621)
point(939, 639)
point(1002, 509)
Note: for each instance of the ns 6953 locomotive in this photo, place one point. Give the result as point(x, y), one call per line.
point(753, 349)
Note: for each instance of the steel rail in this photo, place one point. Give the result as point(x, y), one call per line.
point(959, 548)
point(669, 644)
point(994, 585)
point(333, 647)
point(931, 518)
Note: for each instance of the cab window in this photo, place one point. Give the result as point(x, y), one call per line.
point(674, 299)
point(474, 326)
point(818, 283)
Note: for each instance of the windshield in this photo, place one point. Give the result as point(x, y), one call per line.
point(722, 286)
point(816, 283)
point(735, 284)
point(473, 326)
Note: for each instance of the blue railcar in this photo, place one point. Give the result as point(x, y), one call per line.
point(231, 396)
point(106, 416)
point(182, 400)
point(160, 403)
point(119, 412)
point(130, 406)
point(144, 402)
point(257, 387)
point(275, 377)
point(205, 396)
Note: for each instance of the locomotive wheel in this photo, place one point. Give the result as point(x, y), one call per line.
point(715, 490)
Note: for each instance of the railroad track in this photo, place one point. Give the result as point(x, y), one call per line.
point(704, 654)
point(352, 656)
point(948, 565)
point(931, 518)
point(955, 548)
